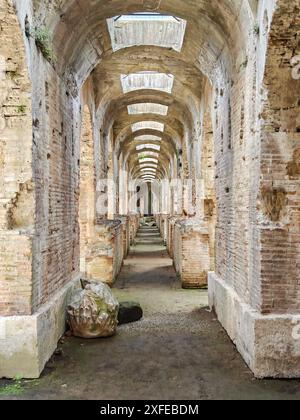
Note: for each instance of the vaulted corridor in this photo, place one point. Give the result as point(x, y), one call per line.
point(149, 149)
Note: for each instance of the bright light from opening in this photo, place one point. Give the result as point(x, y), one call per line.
point(148, 170)
point(148, 146)
point(148, 125)
point(144, 160)
point(147, 137)
point(148, 165)
point(147, 80)
point(148, 154)
point(148, 108)
point(148, 177)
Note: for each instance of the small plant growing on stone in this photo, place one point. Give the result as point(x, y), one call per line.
point(43, 42)
point(21, 109)
point(244, 64)
point(13, 74)
point(256, 29)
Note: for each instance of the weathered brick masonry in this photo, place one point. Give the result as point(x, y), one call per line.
point(191, 252)
point(17, 186)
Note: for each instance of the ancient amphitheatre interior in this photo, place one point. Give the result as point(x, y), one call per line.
point(183, 110)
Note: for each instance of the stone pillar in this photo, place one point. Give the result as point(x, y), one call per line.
point(164, 227)
point(25, 342)
point(171, 228)
point(255, 289)
point(105, 255)
point(125, 220)
point(134, 219)
point(191, 252)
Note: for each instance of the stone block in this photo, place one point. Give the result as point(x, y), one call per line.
point(269, 344)
point(28, 342)
point(192, 252)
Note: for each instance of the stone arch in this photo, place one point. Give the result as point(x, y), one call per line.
point(17, 186)
point(81, 57)
point(119, 105)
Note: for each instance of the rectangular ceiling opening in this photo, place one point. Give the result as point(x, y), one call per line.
point(147, 80)
point(147, 137)
point(148, 125)
point(149, 170)
point(148, 165)
point(148, 154)
point(148, 146)
point(147, 160)
point(147, 29)
point(148, 108)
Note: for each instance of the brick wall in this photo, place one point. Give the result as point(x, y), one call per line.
point(279, 196)
point(87, 201)
point(134, 221)
point(191, 252)
point(125, 233)
point(56, 153)
point(17, 187)
point(105, 255)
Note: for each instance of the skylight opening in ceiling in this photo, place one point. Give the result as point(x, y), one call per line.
point(147, 80)
point(148, 177)
point(148, 165)
point(148, 125)
point(147, 29)
point(148, 170)
point(146, 154)
point(148, 108)
point(147, 137)
point(148, 146)
point(146, 160)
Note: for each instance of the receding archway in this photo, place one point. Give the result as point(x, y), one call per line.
point(67, 49)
